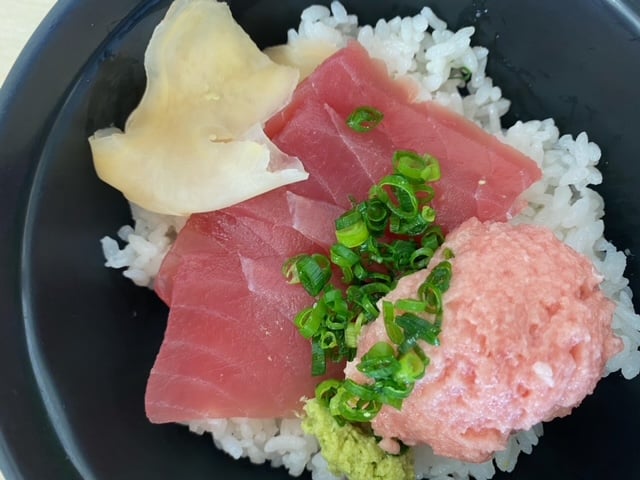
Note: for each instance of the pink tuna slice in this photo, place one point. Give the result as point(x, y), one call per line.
point(481, 176)
point(231, 348)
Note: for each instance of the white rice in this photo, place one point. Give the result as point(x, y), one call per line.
point(146, 244)
point(279, 441)
point(422, 48)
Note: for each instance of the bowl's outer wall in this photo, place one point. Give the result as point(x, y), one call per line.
point(91, 337)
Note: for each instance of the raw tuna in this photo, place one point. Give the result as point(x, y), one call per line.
point(481, 176)
point(231, 348)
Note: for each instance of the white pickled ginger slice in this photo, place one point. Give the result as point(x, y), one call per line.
point(302, 53)
point(195, 142)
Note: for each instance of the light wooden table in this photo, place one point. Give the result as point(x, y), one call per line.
point(18, 20)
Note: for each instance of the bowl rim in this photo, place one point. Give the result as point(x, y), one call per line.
point(28, 431)
point(28, 428)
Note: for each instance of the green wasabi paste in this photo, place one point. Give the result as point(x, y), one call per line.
point(351, 452)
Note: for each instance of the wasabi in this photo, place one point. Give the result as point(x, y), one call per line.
point(351, 452)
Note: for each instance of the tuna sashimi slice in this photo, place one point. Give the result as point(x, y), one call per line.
point(335, 170)
point(481, 176)
point(213, 366)
point(231, 348)
point(272, 223)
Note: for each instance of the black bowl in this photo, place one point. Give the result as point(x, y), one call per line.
point(77, 340)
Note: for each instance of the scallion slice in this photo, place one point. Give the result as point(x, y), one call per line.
point(418, 328)
point(379, 362)
point(308, 322)
point(351, 229)
point(327, 389)
point(394, 332)
point(466, 74)
point(412, 367)
point(410, 305)
point(417, 168)
point(364, 119)
point(313, 272)
point(398, 195)
point(375, 215)
point(352, 332)
point(318, 358)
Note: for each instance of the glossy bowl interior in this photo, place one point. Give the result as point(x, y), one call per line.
point(77, 340)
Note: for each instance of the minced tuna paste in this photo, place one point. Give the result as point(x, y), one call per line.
point(526, 335)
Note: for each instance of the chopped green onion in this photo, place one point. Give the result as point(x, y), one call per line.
point(314, 272)
point(420, 258)
point(375, 214)
point(388, 235)
point(363, 392)
point(432, 297)
point(334, 300)
point(431, 173)
point(392, 399)
point(420, 353)
point(428, 214)
point(379, 366)
point(348, 406)
point(417, 168)
point(318, 358)
point(379, 350)
point(352, 332)
point(359, 297)
point(416, 327)
point(343, 256)
point(336, 323)
point(394, 332)
point(327, 389)
point(364, 119)
point(346, 259)
point(463, 73)
point(290, 271)
point(308, 322)
point(377, 289)
point(433, 237)
point(410, 305)
point(328, 340)
point(440, 276)
point(402, 200)
point(396, 391)
point(466, 74)
point(351, 229)
point(412, 368)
